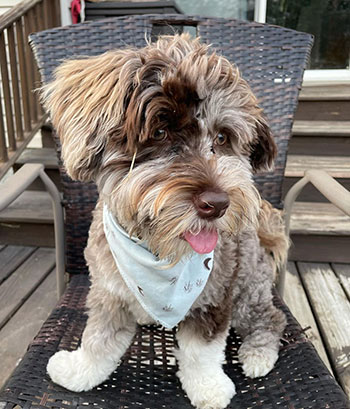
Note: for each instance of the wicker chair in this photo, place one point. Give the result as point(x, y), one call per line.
point(272, 59)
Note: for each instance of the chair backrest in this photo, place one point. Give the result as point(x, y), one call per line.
point(272, 59)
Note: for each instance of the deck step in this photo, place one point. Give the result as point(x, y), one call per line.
point(45, 156)
point(28, 221)
point(319, 219)
point(336, 166)
point(320, 233)
point(319, 145)
point(321, 128)
point(320, 138)
point(29, 207)
point(325, 93)
point(331, 110)
point(324, 103)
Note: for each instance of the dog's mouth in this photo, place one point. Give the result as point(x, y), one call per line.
point(203, 242)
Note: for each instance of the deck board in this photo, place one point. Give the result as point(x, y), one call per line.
point(24, 325)
point(319, 219)
point(343, 273)
point(332, 309)
point(23, 281)
point(298, 303)
point(12, 257)
point(29, 208)
point(324, 128)
point(336, 166)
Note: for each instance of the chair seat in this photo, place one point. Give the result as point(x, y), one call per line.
point(146, 377)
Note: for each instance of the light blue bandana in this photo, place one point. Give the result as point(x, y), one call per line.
point(165, 293)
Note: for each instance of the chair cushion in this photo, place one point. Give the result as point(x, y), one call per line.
point(147, 378)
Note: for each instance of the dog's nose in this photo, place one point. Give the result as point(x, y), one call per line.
point(211, 204)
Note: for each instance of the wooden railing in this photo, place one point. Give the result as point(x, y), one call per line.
point(21, 115)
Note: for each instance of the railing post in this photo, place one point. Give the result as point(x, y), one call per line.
point(7, 94)
point(15, 86)
point(57, 13)
point(3, 147)
point(30, 68)
point(21, 108)
point(46, 14)
point(33, 13)
point(23, 75)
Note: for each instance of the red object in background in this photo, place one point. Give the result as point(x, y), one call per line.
point(75, 7)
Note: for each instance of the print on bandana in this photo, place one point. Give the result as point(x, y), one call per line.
point(166, 294)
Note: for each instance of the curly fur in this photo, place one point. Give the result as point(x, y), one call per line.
point(145, 126)
point(271, 233)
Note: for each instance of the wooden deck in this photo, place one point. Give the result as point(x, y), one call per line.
point(27, 296)
point(317, 294)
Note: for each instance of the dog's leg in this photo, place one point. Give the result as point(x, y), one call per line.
point(108, 333)
point(259, 323)
point(200, 357)
point(259, 352)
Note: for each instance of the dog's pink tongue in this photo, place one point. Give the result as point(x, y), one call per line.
point(204, 242)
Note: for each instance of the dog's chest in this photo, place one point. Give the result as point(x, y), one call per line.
point(225, 270)
point(115, 285)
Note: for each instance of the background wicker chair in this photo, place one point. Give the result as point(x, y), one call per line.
point(272, 59)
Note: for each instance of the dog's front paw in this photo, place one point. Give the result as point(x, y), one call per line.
point(258, 361)
point(208, 391)
point(76, 372)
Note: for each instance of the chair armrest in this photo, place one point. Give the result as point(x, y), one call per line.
point(326, 185)
point(17, 184)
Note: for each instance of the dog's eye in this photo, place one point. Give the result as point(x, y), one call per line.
point(160, 135)
point(220, 139)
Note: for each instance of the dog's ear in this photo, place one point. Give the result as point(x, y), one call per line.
point(263, 149)
point(86, 101)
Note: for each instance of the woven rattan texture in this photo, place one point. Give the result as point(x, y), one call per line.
point(271, 58)
point(147, 378)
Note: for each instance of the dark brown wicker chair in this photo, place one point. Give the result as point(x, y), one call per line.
point(272, 59)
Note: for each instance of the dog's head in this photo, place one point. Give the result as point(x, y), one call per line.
point(171, 134)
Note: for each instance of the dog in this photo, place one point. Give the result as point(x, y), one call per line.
point(171, 134)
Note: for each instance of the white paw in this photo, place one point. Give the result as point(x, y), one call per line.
point(76, 371)
point(208, 391)
point(257, 362)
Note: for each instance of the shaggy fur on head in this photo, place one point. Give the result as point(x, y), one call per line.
point(156, 128)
